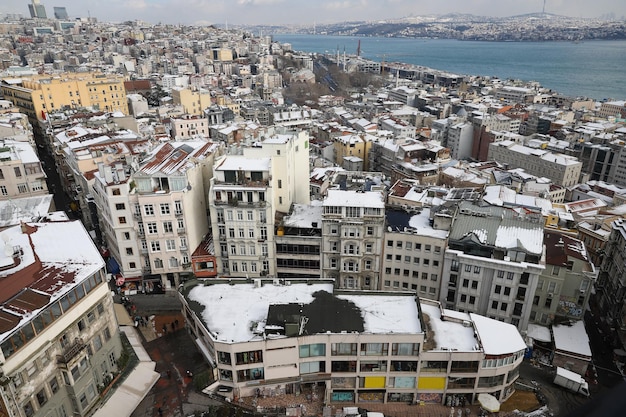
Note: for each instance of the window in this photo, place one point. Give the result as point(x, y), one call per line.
point(307, 351)
point(494, 305)
point(148, 209)
point(280, 182)
point(120, 206)
point(474, 285)
point(126, 235)
point(18, 172)
point(507, 291)
point(509, 275)
point(152, 228)
point(165, 208)
point(504, 306)
point(170, 244)
point(3, 190)
point(468, 268)
point(472, 299)
point(466, 283)
point(500, 274)
point(129, 251)
point(498, 289)
point(155, 245)
point(477, 269)
point(22, 188)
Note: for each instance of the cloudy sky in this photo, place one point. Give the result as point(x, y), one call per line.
point(307, 11)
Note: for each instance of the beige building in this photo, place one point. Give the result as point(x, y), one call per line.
point(413, 253)
point(562, 169)
point(361, 347)
point(59, 338)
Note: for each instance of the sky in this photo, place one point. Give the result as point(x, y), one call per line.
point(306, 12)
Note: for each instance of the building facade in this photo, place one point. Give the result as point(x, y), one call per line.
point(59, 338)
point(305, 334)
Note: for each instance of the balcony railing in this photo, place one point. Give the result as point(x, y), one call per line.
point(71, 351)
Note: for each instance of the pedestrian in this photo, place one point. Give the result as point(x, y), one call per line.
point(164, 329)
point(173, 328)
point(160, 411)
point(176, 323)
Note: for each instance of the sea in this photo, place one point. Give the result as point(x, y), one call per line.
point(593, 69)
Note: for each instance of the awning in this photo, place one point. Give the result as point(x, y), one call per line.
point(489, 402)
point(112, 266)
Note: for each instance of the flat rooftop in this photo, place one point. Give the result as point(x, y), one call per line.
point(243, 311)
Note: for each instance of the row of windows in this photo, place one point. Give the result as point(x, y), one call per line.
point(47, 316)
point(408, 259)
point(414, 274)
point(399, 244)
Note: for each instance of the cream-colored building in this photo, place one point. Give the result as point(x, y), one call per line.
point(348, 346)
point(59, 338)
point(194, 102)
point(188, 126)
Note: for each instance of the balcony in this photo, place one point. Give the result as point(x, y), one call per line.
point(178, 213)
point(71, 351)
point(180, 230)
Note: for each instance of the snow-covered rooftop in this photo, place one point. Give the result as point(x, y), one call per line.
point(573, 339)
point(497, 338)
point(238, 313)
point(348, 198)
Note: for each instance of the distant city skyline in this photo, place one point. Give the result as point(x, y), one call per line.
point(306, 12)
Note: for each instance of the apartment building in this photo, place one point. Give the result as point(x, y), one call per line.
point(564, 170)
point(59, 338)
point(352, 237)
point(241, 203)
point(611, 286)
point(189, 126)
point(298, 242)
point(413, 252)
point(21, 173)
point(565, 285)
point(37, 95)
point(360, 347)
point(152, 219)
point(194, 102)
point(493, 261)
point(351, 145)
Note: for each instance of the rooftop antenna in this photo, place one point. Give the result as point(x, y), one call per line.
point(226, 24)
point(543, 11)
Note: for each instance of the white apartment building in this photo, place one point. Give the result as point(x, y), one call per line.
point(59, 338)
point(242, 216)
point(413, 253)
point(21, 174)
point(460, 140)
point(152, 221)
point(352, 237)
point(246, 193)
point(493, 261)
point(564, 170)
point(379, 347)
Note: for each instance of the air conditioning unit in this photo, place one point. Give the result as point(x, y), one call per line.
point(550, 295)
